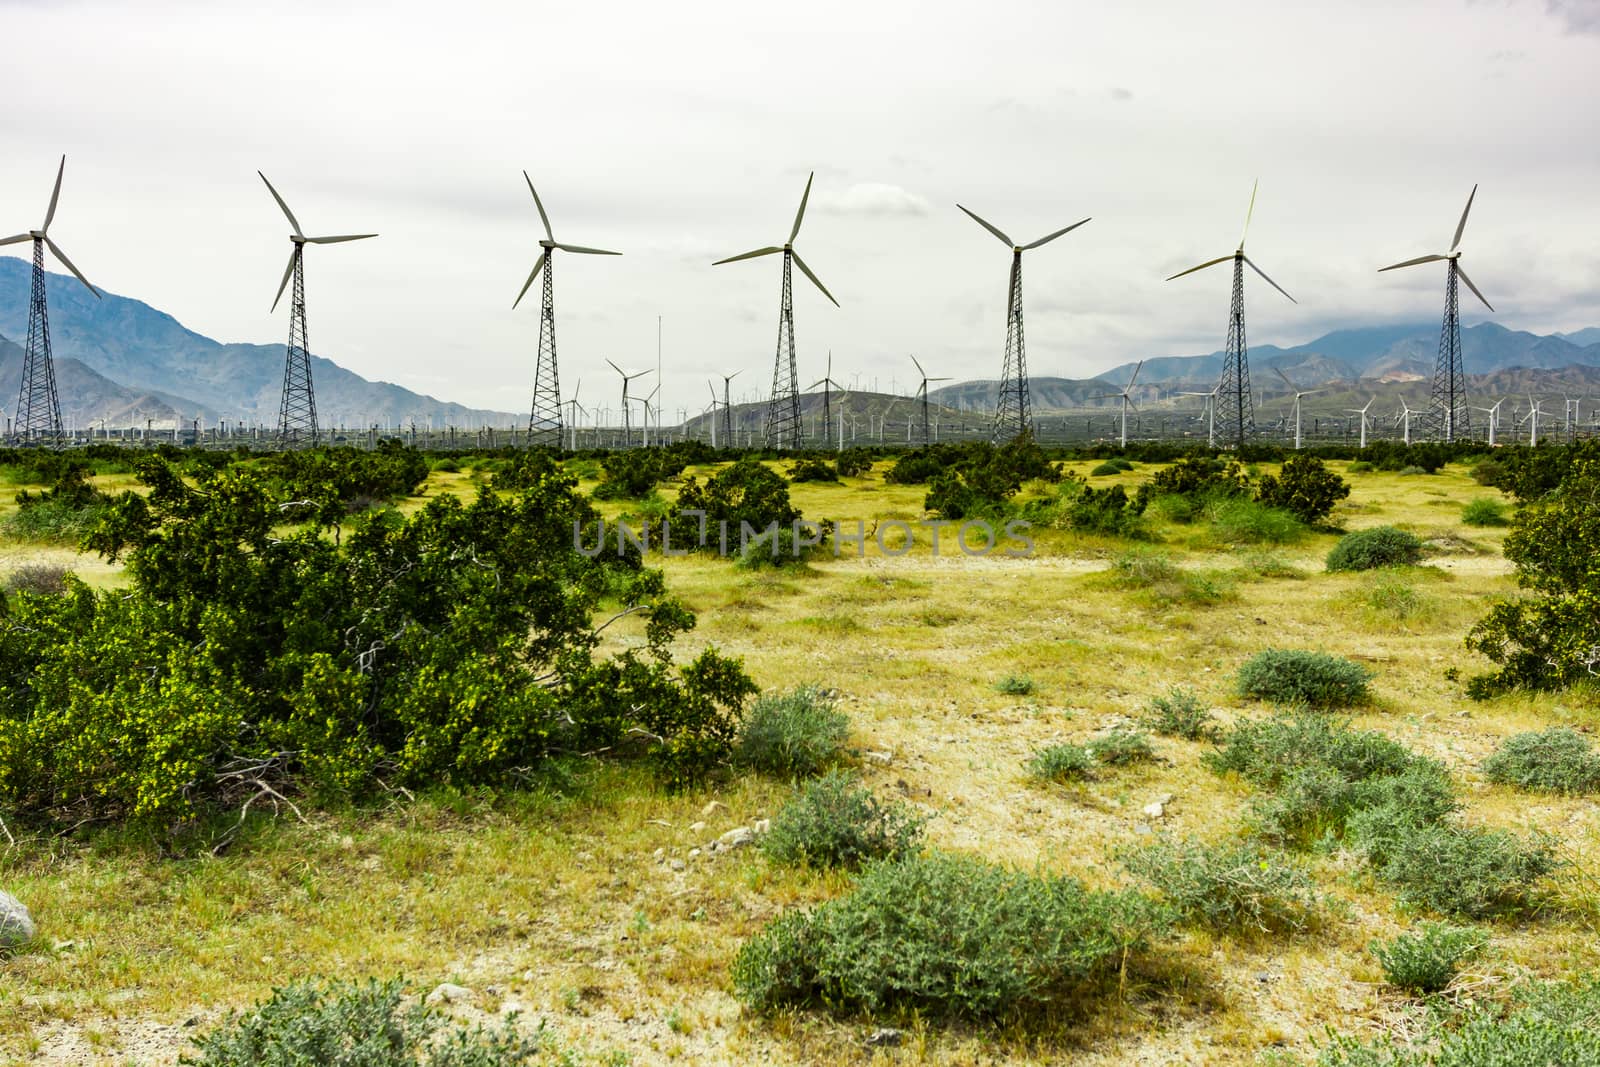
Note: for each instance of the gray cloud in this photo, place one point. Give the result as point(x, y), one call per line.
point(1580, 16)
point(872, 199)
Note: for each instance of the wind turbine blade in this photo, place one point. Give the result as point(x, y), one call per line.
point(1203, 266)
point(919, 367)
point(735, 374)
point(587, 251)
point(55, 196)
point(1474, 288)
point(1053, 236)
point(807, 271)
point(798, 215)
point(18, 239)
point(1003, 238)
point(540, 205)
point(946, 378)
point(617, 368)
point(748, 255)
point(538, 266)
point(1284, 376)
point(1462, 225)
point(340, 239)
point(292, 220)
point(1250, 212)
point(286, 272)
point(79, 274)
point(1269, 281)
point(714, 400)
point(1137, 367)
point(1412, 262)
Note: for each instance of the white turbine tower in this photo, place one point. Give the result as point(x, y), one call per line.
point(1532, 417)
point(1493, 411)
point(1297, 395)
point(1127, 401)
point(1405, 417)
point(627, 424)
point(1210, 414)
point(1362, 411)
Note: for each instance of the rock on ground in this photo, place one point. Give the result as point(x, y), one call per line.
point(16, 925)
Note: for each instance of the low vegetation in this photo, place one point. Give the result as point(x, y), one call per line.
point(793, 735)
point(834, 821)
point(1227, 886)
point(1379, 546)
point(1428, 960)
point(1180, 713)
point(1294, 676)
point(1557, 760)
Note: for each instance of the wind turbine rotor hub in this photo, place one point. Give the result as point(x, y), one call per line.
point(37, 235)
point(547, 244)
point(297, 239)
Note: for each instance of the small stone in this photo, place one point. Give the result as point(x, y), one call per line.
point(693, 852)
point(712, 808)
point(738, 837)
point(16, 925)
point(678, 865)
point(762, 826)
point(882, 759)
point(660, 854)
point(885, 1037)
point(448, 993)
point(696, 827)
point(1156, 810)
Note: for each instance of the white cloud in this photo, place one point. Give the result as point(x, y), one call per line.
point(873, 199)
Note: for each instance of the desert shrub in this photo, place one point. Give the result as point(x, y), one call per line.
point(1391, 596)
point(837, 822)
point(1180, 713)
point(1557, 760)
point(1304, 487)
point(1379, 546)
point(1265, 752)
point(1428, 960)
point(1461, 871)
point(1105, 469)
point(813, 470)
point(981, 478)
point(1414, 469)
point(1484, 511)
point(853, 462)
point(1316, 802)
point(1121, 747)
point(1197, 476)
point(1120, 463)
point(65, 512)
point(1061, 763)
point(1530, 474)
point(453, 646)
point(1361, 466)
point(1174, 507)
point(1550, 637)
point(1544, 1023)
point(921, 466)
point(345, 1024)
point(1268, 564)
point(1017, 685)
point(1164, 582)
point(335, 476)
point(1108, 511)
point(632, 473)
point(1294, 676)
point(1239, 521)
point(794, 734)
point(448, 465)
point(745, 493)
point(1228, 885)
point(43, 579)
point(945, 936)
point(1142, 569)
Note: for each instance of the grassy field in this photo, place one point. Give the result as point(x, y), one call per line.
point(582, 903)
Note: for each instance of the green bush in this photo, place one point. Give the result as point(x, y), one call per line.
point(1017, 685)
point(1061, 763)
point(632, 473)
point(1294, 676)
point(813, 470)
point(1379, 546)
point(1413, 469)
point(836, 822)
point(1239, 521)
point(1105, 469)
point(1143, 569)
point(795, 734)
point(63, 513)
point(1199, 476)
point(1460, 871)
point(1266, 752)
point(1227, 886)
point(1545, 1024)
point(1395, 598)
point(1267, 564)
point(944, 936)
point(1557, 760)
point(344, 1024)
point(744, 493)
point(1304, 487)
point(1108, 511)
point(1484, 511)
point(1121, 747)
point(42, 579)
point(1361, 466)
point(852, 462)
point(1180, 713)
point(1428, 960)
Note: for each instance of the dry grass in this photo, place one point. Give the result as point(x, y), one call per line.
point(561, 905)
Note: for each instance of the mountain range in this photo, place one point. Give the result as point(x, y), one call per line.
point(123, 361)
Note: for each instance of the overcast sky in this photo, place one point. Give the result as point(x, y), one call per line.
point(680, 133)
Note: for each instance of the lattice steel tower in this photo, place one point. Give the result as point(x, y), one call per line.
point(297, 410)
point(784, 429)
point(544, 421)
point(1235, 409)
point(1448, 415)
point(38, 403)
point(1013, 408)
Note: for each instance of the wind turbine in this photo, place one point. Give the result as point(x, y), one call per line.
point(1447, 404)
point(1362, 411)
point(1532, 418)
point(1493, 411)
point(828, 384)
point(627, 425)
point(38, 403)
point(1211, 414)
point(1014, 409)
point(1233, 391)
point(783, 407)
point(1297, 395)
point(1405, 415)
point(544, 422)
point(922, 391)
point(728, 440)
point(1127, 401)
point(572, 417)
point(297, 412)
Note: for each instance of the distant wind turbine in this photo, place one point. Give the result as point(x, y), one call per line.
point(922, 392)
point(1127, 402)
point(1297, 395)
point(627, 424)
point(1362, 411)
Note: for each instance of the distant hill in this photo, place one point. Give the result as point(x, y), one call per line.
point(134, 351)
